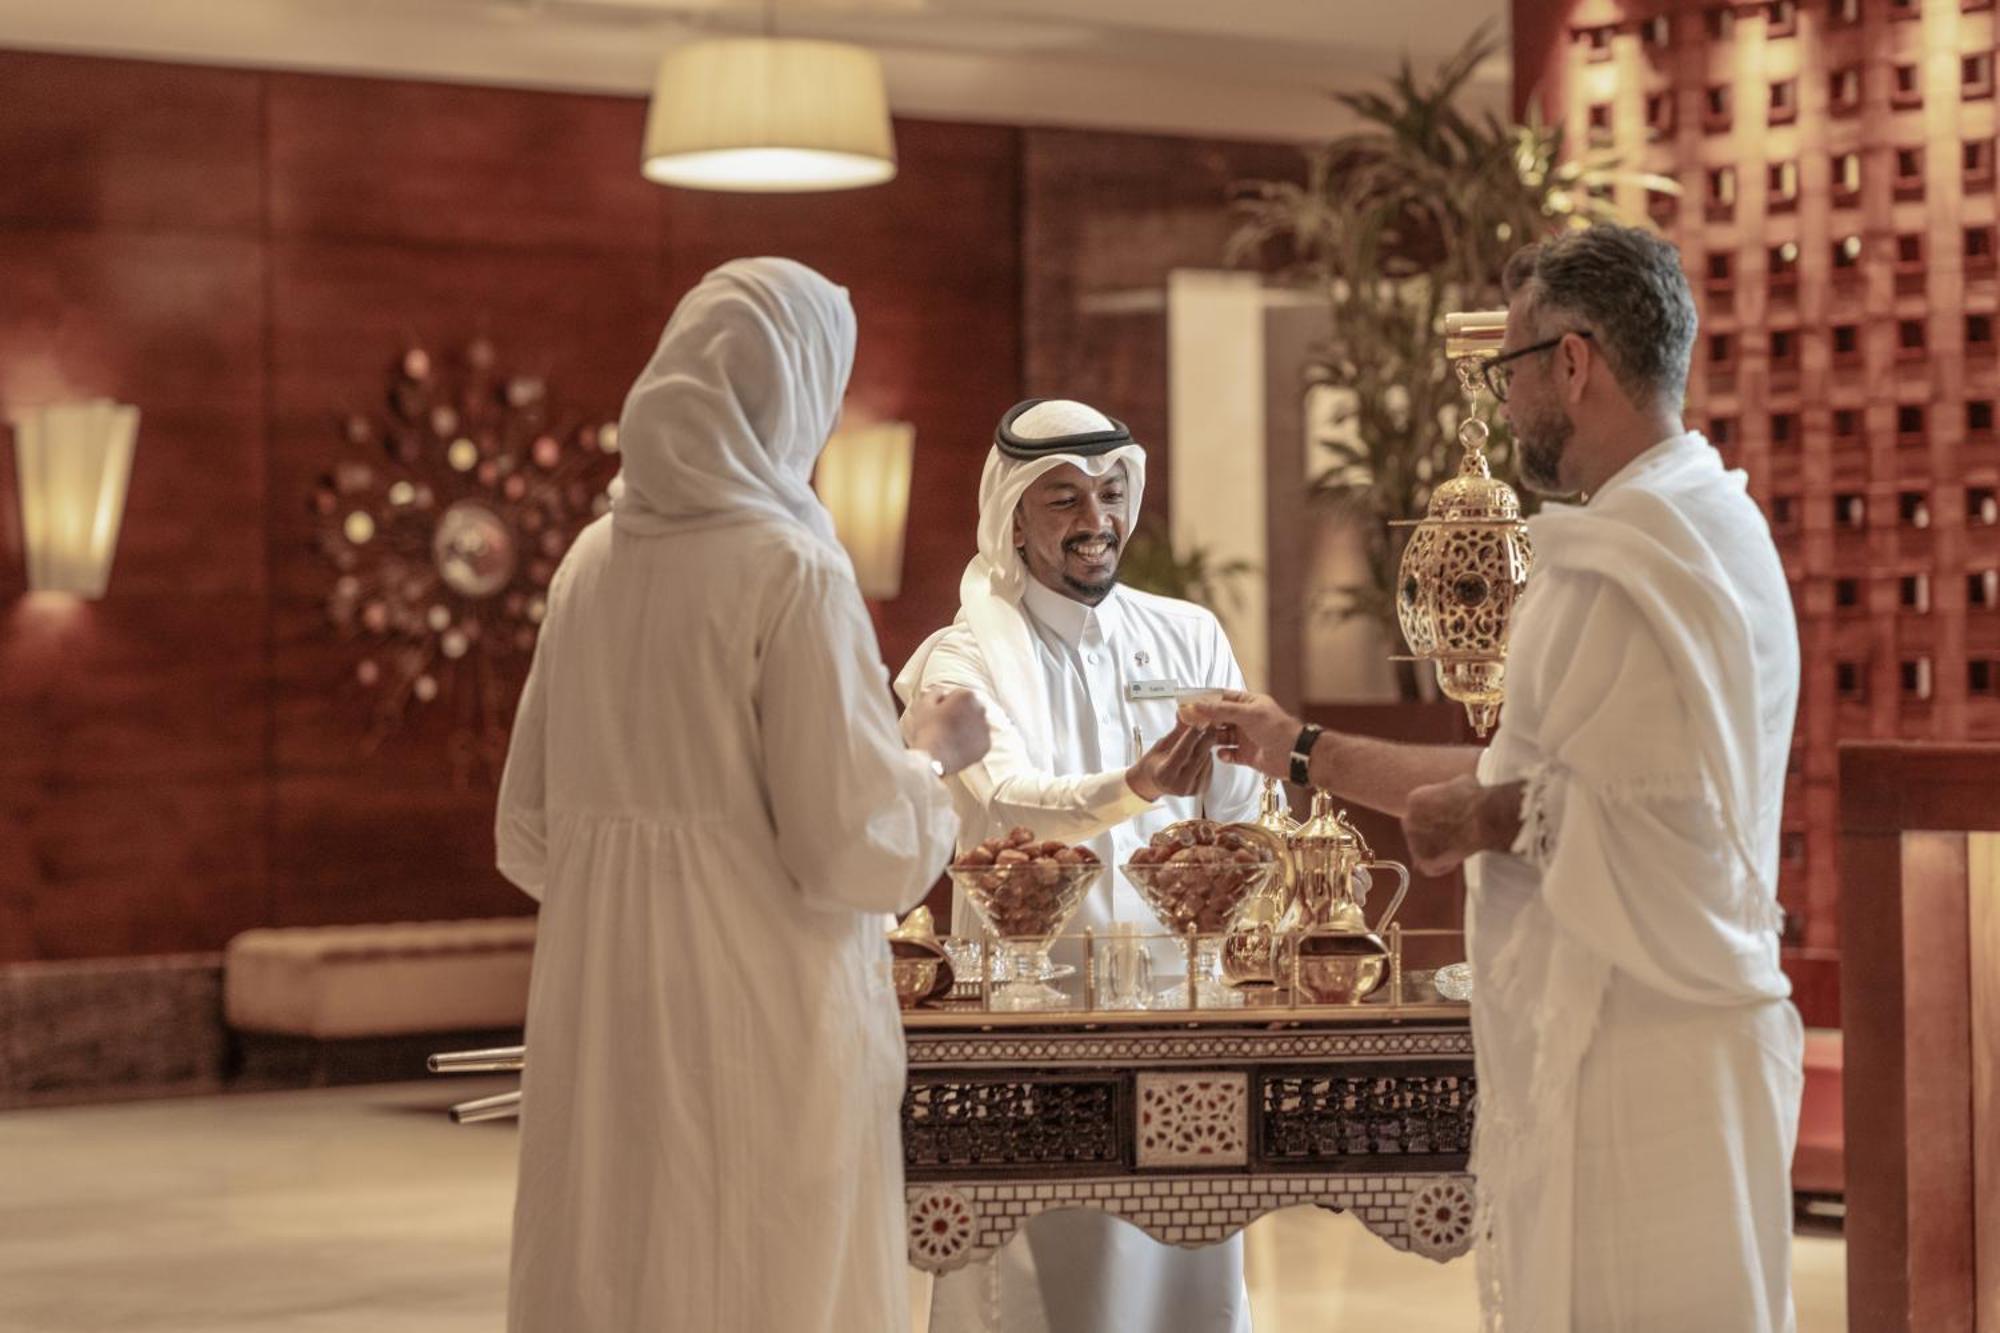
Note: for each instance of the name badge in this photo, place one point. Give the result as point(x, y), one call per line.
point(1138, 690)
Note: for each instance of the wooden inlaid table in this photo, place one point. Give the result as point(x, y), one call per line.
point(1189, 1125)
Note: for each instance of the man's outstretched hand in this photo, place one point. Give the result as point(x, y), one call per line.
point(1250, 729)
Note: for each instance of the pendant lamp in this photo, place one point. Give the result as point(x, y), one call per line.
point(768, 115)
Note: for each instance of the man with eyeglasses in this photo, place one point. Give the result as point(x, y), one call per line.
point(1639, 1062)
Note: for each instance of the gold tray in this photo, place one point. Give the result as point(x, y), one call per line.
point(958, 1015)
point(1261, 1008)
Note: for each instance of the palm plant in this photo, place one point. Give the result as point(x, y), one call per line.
point(1409, 217)
point(1151, 564)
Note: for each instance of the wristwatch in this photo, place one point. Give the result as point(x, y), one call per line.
point(1302, 749)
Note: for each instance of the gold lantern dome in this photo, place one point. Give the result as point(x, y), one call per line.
point(1475, 495)
point(1468, 560)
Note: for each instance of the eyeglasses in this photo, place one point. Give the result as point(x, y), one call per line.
point(1497, 374)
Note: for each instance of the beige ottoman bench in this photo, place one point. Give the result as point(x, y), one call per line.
point(326, 1004)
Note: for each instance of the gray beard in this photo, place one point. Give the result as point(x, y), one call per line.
point(1542, 450)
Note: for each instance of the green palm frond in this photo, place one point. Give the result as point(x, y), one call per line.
point(1151, 564)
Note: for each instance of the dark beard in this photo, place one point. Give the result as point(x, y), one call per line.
point(1542, 446)
point(1090, 594)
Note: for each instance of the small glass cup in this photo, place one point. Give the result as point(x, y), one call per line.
point(1124, 968)
point(963, 951)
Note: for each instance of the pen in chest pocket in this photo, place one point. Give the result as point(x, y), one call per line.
point(1138, 692)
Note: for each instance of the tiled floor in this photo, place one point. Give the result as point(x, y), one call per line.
point(1316, 1272)
point(363, 1208)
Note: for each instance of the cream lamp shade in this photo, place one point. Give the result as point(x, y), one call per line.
point(864, 480)
point(768, 114)
point(73, 460)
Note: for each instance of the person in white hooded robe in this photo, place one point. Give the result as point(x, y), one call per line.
point(1078, 677)
point(1639, 1063)
point(707, 792)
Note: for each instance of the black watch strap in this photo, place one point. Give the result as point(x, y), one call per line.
point(1302, 749)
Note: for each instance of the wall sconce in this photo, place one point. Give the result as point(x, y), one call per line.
point(73, 461)
point(864, 480)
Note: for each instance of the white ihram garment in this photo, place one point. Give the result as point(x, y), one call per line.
point(1639, 1064)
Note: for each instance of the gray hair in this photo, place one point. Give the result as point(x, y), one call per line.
point(1626, 285)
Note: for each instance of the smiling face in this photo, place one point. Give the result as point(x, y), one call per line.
point(1070, 529)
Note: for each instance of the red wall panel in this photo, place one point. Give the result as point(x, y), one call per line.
point(244, 255)
point(118, 143)
point(433, 165)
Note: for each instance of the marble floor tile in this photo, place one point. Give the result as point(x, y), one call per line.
point(345, 1209)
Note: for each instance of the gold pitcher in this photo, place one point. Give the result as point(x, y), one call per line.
point(1468, 560)
point(1250, 950)
point(1326, 944)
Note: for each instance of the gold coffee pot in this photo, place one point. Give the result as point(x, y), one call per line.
point(1250, 949)
point(1468, 560)
point(1326, 941)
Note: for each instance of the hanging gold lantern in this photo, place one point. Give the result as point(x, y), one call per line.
point(1467, 562)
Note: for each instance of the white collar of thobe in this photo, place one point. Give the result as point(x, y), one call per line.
point(1071, 621)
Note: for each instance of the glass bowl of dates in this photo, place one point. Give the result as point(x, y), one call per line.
point(1026, 890)
point(1195, 876)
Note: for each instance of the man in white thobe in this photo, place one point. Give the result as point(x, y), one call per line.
point(1639, 1063)
point(707, 792)
point(1078, 676)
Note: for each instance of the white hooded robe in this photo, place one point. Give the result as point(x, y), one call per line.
point(707, 792)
